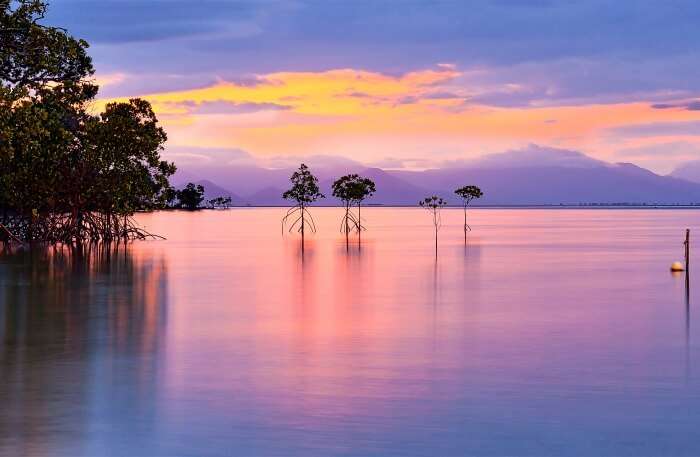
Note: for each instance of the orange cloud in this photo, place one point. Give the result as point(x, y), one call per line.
point(369, 116)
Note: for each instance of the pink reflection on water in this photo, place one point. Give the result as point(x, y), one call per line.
point(538, 301)
point(550, 330)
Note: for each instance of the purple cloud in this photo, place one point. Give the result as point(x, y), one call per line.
point(225, 107)
point(693, 105)
point(685, 128)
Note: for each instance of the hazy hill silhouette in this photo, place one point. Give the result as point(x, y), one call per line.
point(535, 176)
point(623, 183)
point(212, 190)
point(391, 190)
point(267, 196)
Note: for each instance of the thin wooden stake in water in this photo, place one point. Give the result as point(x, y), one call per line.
point(686, 243)
point(687, 250)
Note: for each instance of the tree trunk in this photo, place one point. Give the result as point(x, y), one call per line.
point(108, 226)
point(435, 223)
point(465, 224)
point(347, 226)
point(687, 250)
point(302, 228)
point(687, 274)
point(79, 226)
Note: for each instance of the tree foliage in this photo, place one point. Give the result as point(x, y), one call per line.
point(191, 196)
point(67, 174)
point(353, 189)
point(33, 55)
point(468, 193)
point(304, 188)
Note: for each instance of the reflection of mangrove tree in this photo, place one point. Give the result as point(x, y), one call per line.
point(304, 191)
point(66, 316)
point(81, 279)
point(67, 174)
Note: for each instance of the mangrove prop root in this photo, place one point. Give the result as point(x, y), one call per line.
point(73, 228)
point(299, 213)
point(350, 223)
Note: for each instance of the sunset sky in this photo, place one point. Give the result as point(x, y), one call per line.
point(404, 83)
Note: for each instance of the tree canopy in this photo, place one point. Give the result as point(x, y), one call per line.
point(33, 55)
point(353, 189)
point(432, 203)
point(468, 193)
point(191, 196)
point(304, 187)
point(67, 174)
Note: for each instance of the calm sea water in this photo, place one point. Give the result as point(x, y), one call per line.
point(550, 332)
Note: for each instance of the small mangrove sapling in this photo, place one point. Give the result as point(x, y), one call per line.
point(219, 202)
point(467, 194)
point(304, 191)
point(434, 205)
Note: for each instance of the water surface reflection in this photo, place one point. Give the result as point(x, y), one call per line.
point(550, 332)
point(81, 331)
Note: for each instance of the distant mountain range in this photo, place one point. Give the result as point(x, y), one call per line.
point(536, 176)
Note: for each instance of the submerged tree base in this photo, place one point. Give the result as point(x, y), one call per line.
point(88, 257)
point(64, 228)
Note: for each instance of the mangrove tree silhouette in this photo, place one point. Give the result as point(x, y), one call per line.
point(304, 191)
point(67, 175)
point(467, 194)
point(191, 196)
point(434, 205)
point(352, 190)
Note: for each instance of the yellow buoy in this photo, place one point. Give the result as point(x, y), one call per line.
point(677, 266)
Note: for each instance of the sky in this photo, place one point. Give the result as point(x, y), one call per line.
point(406, 83)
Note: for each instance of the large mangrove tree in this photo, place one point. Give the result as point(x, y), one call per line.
point(68, 174)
